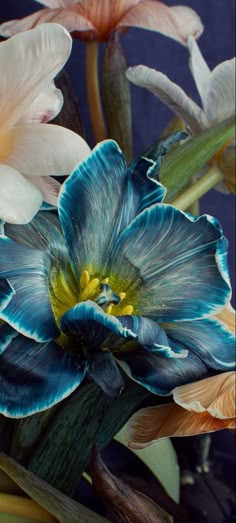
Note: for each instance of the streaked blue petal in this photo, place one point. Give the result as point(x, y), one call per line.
point(7, 333)
point(6, 293)
point(35, 376)
point(104, 370)
point(87, 322)
point(99, 200)
point(208, 339)
point(160, 374)
point(29, 310)
point(178, 263)
point(151, 336)
point(43, 232)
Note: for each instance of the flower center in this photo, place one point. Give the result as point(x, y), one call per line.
point(102, 294)
point(6, 144)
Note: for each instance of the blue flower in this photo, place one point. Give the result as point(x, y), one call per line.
point(117, 280)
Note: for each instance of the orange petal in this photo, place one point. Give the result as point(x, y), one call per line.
point(215, 395)
point(178, 22)
point(171, 420)
point(227, 316)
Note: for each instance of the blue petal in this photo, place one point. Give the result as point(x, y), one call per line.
point(94, 328)
point(151, 336)
point(43, 232)
point(6, 293)
point(29, 310)
point(159, 374)
point(208, 339)
point(36, 376)
point(7, 333)
point(178, 263)
point(99, 200)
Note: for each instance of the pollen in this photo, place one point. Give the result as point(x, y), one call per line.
point(126, 311)
point(122, 295)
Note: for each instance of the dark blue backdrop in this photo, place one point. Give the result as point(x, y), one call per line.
point(149, 115)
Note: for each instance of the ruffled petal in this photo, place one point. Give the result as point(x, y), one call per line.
point(35, 376)
point(176, 22)
point(48, 187)
point(199, 68)
point(46, 150)
point(87, 321)
point(152, 423)
point(7, 333)
point(30, 60)
point(68, 18)
point(176, 263)
point(29, 310)
point(220, 96)
point(159, 374)
point(170, 94)
point(6, 292)
point(216, 395)
point(101, 199)
point(45, 107)
point(227, 317)
point(20, 200)
point(207, 338)
point(43, 232)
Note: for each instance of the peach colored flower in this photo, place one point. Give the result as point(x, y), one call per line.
point(96, 19)
point(29, 150)
point(204, 406)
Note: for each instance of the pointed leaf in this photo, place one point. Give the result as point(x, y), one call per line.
point(66, 510)
point(116, 96)
point(181, 164)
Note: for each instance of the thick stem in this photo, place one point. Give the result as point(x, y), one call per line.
point(93, 92)
point(193, 193)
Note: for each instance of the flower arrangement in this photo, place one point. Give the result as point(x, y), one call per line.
point(114, 293)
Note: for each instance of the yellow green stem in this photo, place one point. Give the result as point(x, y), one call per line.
point(202, 186)
point(93, 92)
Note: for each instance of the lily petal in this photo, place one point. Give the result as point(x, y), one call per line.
point(220, 96)
point(36, 376)
point(29, 310)
point(183, 279)
point(216, 395)
point(101, 200)
point(170, 94)
point(49, 187)
point(176, 22)
point(22, 62)
point(199, 68)
point(46, 106)
point(153, 423)
point(20, 199)
point(70, 19)
point(46, 150)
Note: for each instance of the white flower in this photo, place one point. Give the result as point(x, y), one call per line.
point(30, 151)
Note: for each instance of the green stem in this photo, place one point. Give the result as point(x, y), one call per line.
point(93, 92)
point(202, 186)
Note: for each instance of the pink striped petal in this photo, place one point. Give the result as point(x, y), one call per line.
point(176, 22)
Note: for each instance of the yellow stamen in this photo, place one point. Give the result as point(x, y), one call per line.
point(122, 295)
point(128, 310)
point(109, 308)
point(84, 279)
point(89, 291)
point(106, 280)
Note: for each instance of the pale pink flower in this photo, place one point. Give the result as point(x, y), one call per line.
point(30, 151)
point(92, 20)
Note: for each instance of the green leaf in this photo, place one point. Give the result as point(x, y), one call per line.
point(116, 96)
point(181, 164)
point(86, 417)
point(66, 510)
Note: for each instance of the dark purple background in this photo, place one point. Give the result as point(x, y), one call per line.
point(149, 115)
